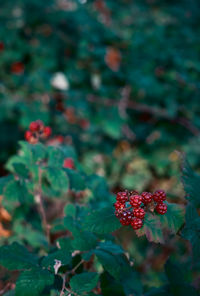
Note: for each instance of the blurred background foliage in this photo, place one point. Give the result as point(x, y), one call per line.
point(118, 80)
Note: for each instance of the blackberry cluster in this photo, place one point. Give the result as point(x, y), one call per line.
point(131, 207)
point(37, 130)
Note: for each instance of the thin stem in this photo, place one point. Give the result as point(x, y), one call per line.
point(154, 111)
point(65, 276)
point(77, 266)
point(71, 292)
point(39, 201)
point(63, 285)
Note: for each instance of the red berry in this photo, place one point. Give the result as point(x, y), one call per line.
point(161, 208)
point(47, 132)
point(30, 137)
point(146, 197)
point(118, 205)
point(34, 126)
point(84, 123)
point(41, 125)
point(122, 197)
point(135, 200)
point(17, 68)
point(126, 218)
point(1, 46)
point(139, 213)
point(136, 223)
point(60, 139)
point(69, 164)
point(118, 214)
point(123, 221)
point(159, 196)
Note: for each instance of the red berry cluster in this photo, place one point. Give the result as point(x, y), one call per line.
point(130, 207)
point(37, 130)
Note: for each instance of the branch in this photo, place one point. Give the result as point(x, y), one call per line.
point(65, 276)
point(155, 111)
point(63, 285)
point(39, 201)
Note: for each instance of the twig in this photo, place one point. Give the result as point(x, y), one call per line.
point(77, 266)
point(39, 201)
point(65, 276)
point(63, 285)
point(123, 103)
point(158, 112)
point(7, 286)
point(71, 292)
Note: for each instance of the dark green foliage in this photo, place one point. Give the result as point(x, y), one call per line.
point(118, 83)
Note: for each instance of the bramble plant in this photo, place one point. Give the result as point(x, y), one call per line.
point(74, 250)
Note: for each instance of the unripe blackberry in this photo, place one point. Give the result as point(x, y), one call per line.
point(139, 213)
point(122, 197)
point(41, 125)
point(161, 208)
point(47, 132)
point(135, 200)
point(136, 223)
point(118, 213)
point(126, 218)
point(34, 126)
point(30, 137)
point(118, 205)
point(159, 196)
point(146, 197)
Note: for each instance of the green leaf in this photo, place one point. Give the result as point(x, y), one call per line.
point(70, 224)
point(69, 151)
point(98, 186)
point(152, 229)
point(3, 182)
point(76, 181)
point(112, 263)
point(21, 170)
point(84, 241)
point(57, 178)
point(38, 152)
point(26, 232)
point(110, 286)
point(191, 231)
point(102, 221)
point(177, 280)
point(32, 282)
point(61, 255)
point(84, 282)
point(33, 153)
point(111, 122)
point(16, 257)
point(55, 156)
point(65, 243)
point(111, 256)
point(70, 210)
point(112, 247)
point(173, 272)
point(17, 192)
point(163, 291)
point(191, 182)
point(174, 218)
point(131, 283)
